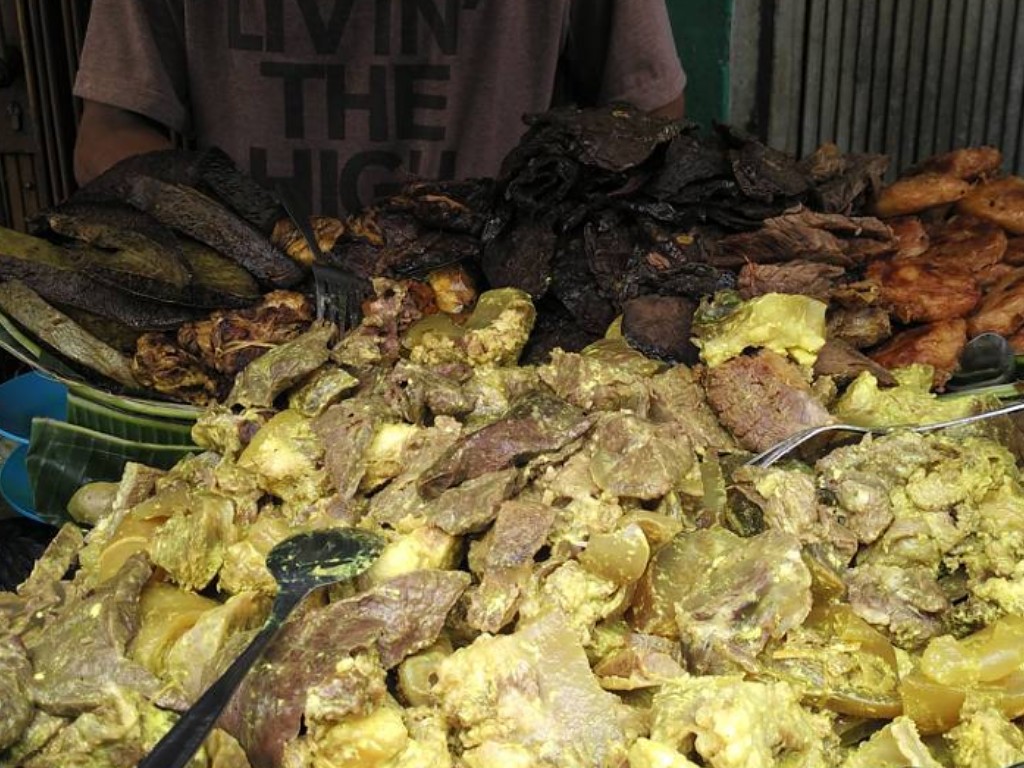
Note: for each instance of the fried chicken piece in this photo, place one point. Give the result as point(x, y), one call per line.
point(968, 163)
point(920, 290)
point(1017, 342)
point(326, 229)
point(1014, 251)
point(918, 193)
point(937, 344)
point(966, 243)
point(911, 236)
point(1000, 201)
point(1002, 308)
point(989, 276)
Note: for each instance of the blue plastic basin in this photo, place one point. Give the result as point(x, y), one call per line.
point(14, 485)
point(25, 397)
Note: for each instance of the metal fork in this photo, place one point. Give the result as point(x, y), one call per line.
point(791, 443)
point(339, 291)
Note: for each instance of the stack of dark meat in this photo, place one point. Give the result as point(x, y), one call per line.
point(604, 212)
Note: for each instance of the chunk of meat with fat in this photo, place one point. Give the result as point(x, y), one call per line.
point(534, 689)
point(906, 601)
point(937, 344)
point(763, 399)
point(918, 290)
point(914, 194)
point(735, 723)
point(396, 618)
point(1001, 310)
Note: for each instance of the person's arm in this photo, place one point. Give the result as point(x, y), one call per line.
point(641, 63)
point(107, 134)
point(133, 81)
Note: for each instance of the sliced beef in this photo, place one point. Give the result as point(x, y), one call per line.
point(803, 277)
point(806, 235)
point(397, 618)
point(520, 530)
point(85, 647)
point(15, 671)
point(844, 363)
point(538, 423)
point(678, 399)
point(521, 257)
point(763, 399)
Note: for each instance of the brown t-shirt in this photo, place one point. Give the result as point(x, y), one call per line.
point(347, 97)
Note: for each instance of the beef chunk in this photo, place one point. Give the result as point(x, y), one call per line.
point(763, 399)
point(844, 363)
point(906, 601)
point(536, 424)
point(805, 277)
point(659, 326)
point(397, 618)
point(860, 327)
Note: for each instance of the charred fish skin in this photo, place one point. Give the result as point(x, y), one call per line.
point(121, 227)
point(204, 219)
point(61, 333)
point(60, 275)
point(239, 191)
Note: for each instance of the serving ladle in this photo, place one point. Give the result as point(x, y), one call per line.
point(987, 360)
point(299, 564)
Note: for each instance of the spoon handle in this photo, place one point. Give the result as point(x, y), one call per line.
point(179, 744)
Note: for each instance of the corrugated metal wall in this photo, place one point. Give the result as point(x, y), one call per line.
point(40, 45)
point(905, 77)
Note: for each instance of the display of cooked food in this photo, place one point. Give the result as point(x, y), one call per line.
point(547, 412)
point(580, 570)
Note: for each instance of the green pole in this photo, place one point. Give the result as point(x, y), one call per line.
point(702, 32)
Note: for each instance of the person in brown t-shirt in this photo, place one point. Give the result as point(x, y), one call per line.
point(344, 99)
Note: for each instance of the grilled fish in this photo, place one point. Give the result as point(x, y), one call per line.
point(202, 218)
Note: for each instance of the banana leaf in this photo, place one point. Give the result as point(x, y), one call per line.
point(161, 409)
point(127, 426)
point(63, 457)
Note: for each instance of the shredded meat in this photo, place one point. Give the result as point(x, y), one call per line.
point(763, 399)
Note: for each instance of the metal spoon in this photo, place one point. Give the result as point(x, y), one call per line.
point(986, 360)
point(299, 565)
